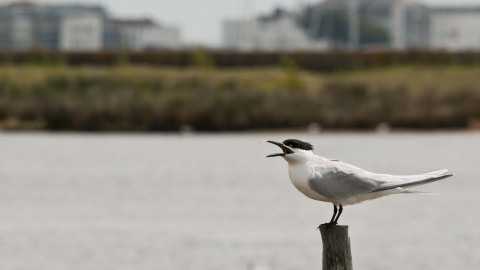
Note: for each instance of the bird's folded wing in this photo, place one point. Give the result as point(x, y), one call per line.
point(340, 181)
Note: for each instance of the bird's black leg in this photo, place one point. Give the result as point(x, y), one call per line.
point(333, 220)
point(339, 213)
point(334, 213)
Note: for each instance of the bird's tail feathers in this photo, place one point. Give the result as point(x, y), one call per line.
point(416, 180)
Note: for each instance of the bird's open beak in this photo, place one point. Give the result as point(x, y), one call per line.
point(285, 149)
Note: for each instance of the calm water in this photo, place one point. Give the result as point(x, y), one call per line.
point(211, 202)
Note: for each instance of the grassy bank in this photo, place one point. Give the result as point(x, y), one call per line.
point(142, 98)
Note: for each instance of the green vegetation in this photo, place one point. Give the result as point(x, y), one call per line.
point(202, 60)
point(292, 78)
point(142, 98)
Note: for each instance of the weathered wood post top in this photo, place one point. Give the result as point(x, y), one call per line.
point(336, 248)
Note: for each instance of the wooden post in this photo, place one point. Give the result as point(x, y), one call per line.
point(336, 248)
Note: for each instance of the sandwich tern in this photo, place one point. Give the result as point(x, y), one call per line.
point(330, 180)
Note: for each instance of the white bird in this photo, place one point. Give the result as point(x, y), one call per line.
point(330, 180)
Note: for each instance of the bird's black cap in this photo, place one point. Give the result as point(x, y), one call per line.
point(294, 143)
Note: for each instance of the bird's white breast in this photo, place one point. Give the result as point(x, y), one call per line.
point(299, 175)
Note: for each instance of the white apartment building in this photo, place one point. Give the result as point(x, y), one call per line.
point(146, 34)
point(272, 33)
point(455, 29)
point(82, 33)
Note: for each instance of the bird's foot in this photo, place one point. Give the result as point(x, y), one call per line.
point(326, 225)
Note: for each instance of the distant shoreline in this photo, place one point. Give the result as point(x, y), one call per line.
point(314, 61)
point(135, 98)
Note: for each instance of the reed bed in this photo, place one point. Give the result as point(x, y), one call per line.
point(145, 98)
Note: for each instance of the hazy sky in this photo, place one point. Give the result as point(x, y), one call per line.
point(200, 20)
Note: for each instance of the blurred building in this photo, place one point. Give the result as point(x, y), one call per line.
point(278, 31)
point(335, 24)
point(146, 34)
point(72, 27)
point(359, 24)
point(389, 24)
point(26, 26)
point(455, 28)
point(81, 33)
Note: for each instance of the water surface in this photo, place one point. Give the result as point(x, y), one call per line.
point(211, 202)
